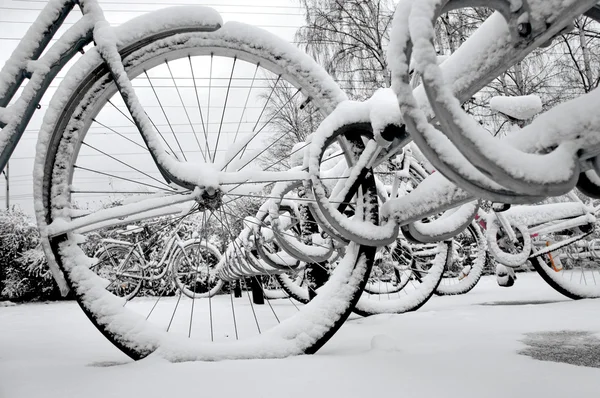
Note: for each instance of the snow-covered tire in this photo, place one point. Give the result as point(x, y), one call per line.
point(106, 257)
point(293, 289)
point(506, 258)
point(568, 281)
point(396, 265)
point(453, 285)
point(588, 184)
point(182, 255)
point(64, 129)
point(408, 300)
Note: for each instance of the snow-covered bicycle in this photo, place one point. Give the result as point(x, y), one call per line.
point(112, 129)
point(162, 259)
point(125, 85)
point(471, 163)
point(468, 245)
point(539, 234)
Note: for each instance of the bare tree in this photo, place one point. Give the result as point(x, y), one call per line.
point(454, 27)
point(581, 66)
point(349, 38)
point(292, 118)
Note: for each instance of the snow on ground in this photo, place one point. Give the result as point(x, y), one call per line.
point(463, 346)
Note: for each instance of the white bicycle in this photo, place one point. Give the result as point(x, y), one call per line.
point(163, 259)
point(111, 129)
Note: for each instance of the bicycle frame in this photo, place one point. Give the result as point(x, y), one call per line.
point(581, 250)
point(25, 62)
point(472, 75)
point(547, 222)
point(469, 72)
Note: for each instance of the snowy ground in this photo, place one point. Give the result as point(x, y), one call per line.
point(464, 346)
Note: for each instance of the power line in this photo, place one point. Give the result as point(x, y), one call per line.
point(258, 26)
point(157, 9)
point(120, 154)
point(148, 3)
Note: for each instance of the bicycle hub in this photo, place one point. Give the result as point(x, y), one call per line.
point(210, 199)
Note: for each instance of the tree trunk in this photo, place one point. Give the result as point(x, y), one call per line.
point(589, 75)
point(519, 78)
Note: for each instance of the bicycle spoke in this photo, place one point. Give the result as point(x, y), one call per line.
point(165, 115)
point(194, 294)
point(255, 156)
point(174, 311)
point(245, 105)
point(120, 135)
point(111, 192)
point(126, 164)
point(295, 199)
point(224, 109)
point(151, 121)
point(199, 107)
point(210, 77)
point(269, 303)
point(185, 110)
point(252, 306)
point(233, 314)
point(242, 150)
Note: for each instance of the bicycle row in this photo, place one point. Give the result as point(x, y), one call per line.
point(182, 116)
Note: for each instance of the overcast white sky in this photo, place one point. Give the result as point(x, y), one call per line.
point(281, 17)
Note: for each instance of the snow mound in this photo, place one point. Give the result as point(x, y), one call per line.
point(383, 342)
point(519, 107)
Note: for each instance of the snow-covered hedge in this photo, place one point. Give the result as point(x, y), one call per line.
point(24, 273)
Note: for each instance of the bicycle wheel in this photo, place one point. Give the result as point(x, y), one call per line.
point(466, 267)
point(193, 269)
point(182, 71)
point(392, 269)
point(422, 279)
point(295, 286)
point(121, 266)
point(272, 289)
point(577, 277)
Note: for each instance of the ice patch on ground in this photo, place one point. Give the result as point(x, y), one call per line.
point(526, 302)
point(574, 347)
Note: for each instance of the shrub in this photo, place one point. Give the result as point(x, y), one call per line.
point(24, 273)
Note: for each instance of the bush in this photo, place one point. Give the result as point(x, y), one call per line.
point(24, 273)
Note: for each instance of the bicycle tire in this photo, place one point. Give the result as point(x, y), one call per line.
point(175, 262)
point(566, 286)
point(410, 300)
point(77, 93)
point(118, 249)
point(293, 289)
point(466, 284)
